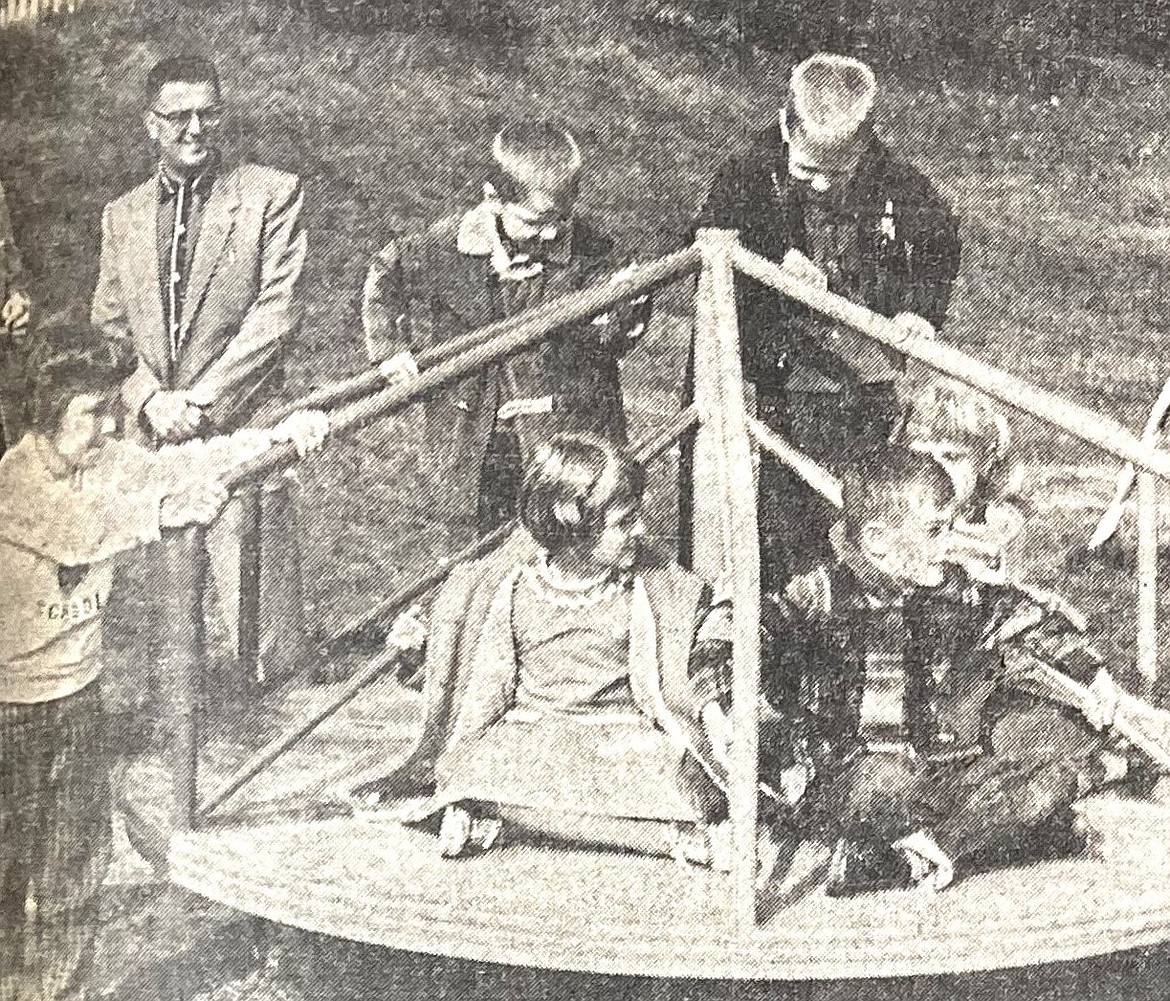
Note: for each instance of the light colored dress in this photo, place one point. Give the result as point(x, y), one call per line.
point(575, 738)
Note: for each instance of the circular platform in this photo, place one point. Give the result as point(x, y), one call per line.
point(375, 881)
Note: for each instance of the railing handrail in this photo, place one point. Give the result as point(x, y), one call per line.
point(645, 451)
point(488, 345)
point(370, 380)
point(1103, 432)
point(806, 467)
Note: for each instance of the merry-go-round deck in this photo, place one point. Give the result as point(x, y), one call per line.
point(280, 851)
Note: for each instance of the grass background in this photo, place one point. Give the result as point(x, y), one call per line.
point(1061, 191)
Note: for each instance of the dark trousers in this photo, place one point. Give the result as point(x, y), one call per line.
point(1008, 801)
point(54, 844)
point(15, 389)
point(500, 480)
point(972, 808)
point(835, 429)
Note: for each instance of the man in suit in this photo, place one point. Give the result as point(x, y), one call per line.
point(523, 245)
point(819, 192)
point(200, 271)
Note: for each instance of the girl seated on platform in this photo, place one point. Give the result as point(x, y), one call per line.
point(965, 434)
point(576, 682)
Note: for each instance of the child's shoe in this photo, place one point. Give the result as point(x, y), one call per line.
point(931, 868)
point(454, 832)
point(461, 832)
point(485, 831)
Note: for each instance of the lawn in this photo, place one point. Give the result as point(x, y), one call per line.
point(1065, 222)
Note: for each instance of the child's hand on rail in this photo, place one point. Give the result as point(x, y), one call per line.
point(916, 326)
point(197, 503)
point(305, 429)
point(803, 269)
point(1101, 705)
point(399, 368)
point(408, 633)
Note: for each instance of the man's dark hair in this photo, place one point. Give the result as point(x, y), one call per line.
point(885, 487)
point(77, 362)
point(185, 68)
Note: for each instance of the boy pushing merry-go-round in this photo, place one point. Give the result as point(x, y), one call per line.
point(74, 498)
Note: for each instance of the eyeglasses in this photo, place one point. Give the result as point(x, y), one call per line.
point(209, 117)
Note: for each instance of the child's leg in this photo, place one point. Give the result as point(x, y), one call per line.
point(874, 798)
point(867, 809)
point(1005, 802)
point(1025, 727)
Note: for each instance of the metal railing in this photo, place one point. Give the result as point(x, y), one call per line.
point(725, 518)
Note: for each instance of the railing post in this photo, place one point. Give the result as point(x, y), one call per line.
point(185, 578)
point(248, 647)
point(1147, 582)
point(725, 536)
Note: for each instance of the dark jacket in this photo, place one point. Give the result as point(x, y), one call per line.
point(14, 379)
point(927, 669)
point(912, 271)
point(431, 287)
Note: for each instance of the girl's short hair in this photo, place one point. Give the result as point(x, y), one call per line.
point(573, 482)
point(946, 412)
point(79, 362)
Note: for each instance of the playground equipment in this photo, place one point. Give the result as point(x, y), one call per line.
point(265, 841)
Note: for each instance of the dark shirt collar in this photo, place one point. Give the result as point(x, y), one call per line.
point(201, 183)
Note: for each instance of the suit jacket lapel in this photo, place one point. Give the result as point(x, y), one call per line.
point(219, 218)
point(141, 265)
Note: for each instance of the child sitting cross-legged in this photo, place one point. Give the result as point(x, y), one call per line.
point(574, 678)
point(915, 700)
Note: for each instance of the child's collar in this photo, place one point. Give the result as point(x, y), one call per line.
point(479, 236)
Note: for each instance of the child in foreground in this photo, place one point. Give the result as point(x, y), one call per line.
point(931, 754)
point(73, 499)
point(575, 681)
